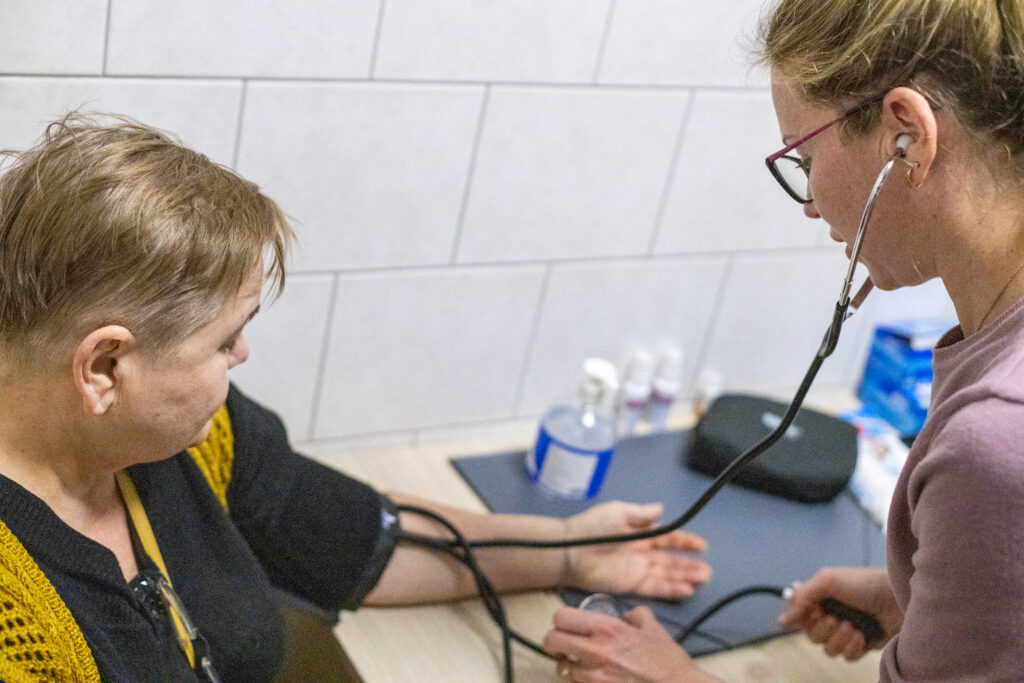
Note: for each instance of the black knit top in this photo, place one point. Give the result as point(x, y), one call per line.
point(291, 523)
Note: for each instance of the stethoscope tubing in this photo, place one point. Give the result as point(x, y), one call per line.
point(461, 548)
point(843, 310)
point(865, 217)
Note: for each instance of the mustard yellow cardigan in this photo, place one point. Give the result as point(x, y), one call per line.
point(39, 637)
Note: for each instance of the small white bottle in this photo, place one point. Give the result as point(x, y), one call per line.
point(635, 392)
point(576, 441)
point(665, 387)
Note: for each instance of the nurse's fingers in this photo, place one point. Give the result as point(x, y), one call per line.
point(582, 622)
point(839, 639)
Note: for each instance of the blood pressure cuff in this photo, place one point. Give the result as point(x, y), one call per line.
point(812, 462)
point(317, 533)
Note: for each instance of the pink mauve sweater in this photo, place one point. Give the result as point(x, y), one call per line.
point(956, 525)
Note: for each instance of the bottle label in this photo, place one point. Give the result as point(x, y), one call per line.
point(566, 471)
point(663, 399)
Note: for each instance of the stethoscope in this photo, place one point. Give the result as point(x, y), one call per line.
point(462, 549)
point(902, 143)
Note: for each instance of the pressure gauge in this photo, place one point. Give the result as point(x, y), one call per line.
point(602, 603)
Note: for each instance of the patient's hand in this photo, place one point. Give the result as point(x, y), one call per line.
point(654, 566)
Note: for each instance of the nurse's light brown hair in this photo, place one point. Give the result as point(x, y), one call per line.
point(965, 56)
point(114, 222)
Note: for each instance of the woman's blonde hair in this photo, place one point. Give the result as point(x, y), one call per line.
point(117, 223)
point(965, 56)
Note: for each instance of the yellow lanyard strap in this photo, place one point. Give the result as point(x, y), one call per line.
point(145, 532)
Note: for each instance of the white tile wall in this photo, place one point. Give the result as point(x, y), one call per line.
point(612, 308)
point(540, 41)
point(485, 192)
point(374, 175)
point(52, 36)
point(722, 196)
point(264, 38)
point(681, 42)
point(566, 173)
point(422, 348)
point(204, 114)
point(773, 314)
point(776, 309)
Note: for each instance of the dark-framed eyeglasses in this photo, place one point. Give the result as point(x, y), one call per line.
point(158, 595)
point(792, 172)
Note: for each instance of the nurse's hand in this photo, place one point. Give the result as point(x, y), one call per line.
point(654, 566)
point(867, 589)
point(596, 647)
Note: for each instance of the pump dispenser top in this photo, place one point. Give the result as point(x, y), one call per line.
point(575, 442)
point(600, 379)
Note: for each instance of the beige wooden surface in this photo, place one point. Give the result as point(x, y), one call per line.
point(456, 643)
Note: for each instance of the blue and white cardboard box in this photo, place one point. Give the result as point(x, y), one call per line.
point(897, 380)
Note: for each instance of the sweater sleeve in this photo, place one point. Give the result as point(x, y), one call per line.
point(318, 533)
point(964, 619)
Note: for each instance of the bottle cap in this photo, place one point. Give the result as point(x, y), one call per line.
point(602, 371)
point(600, 378)
point(667, 381)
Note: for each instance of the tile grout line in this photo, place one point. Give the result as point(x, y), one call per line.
point(670, 176)
point(314, 412)
point(441, 83)
point(694, 256)
point(106, 38)
point(376, 40)
point(467, 188)
point(716, 312)
point(531, 343)
point(415, 435)
point(605, 32)
point(418, 434)
point(239, 121)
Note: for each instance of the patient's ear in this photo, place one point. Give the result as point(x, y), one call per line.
point(98, 366)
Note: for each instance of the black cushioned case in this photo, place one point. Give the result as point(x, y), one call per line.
point(753, 537)
point(812, 462)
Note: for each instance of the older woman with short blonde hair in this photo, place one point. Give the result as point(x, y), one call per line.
point(149, 509)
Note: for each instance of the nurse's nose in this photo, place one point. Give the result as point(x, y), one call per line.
point(810, 210)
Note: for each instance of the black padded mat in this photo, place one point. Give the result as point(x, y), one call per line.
point(753, 538)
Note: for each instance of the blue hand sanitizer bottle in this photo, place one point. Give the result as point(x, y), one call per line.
point(576, 441)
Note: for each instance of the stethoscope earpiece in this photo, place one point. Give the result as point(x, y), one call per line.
point(903, 143)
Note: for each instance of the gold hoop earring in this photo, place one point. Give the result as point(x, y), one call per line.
point(911, 165)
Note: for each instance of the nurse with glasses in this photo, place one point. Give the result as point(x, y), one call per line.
point(945, 79)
